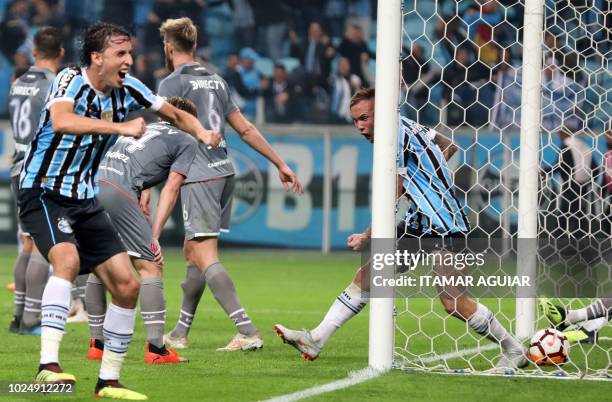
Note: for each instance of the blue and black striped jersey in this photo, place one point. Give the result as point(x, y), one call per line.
point(433, 208)
point(67, 164)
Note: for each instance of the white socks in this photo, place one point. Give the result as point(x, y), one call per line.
point(350, 302)
point(54, 311)
point(574, 316)
point(598, 309)
point(118, 331)
point(484, 323)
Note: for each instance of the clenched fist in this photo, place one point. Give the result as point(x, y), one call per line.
point(357, 241)
point(133, 128)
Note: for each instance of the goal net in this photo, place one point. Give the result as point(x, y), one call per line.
point(462, 73)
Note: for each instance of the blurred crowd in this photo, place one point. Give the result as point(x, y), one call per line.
point(468, 69)
point(303, 58)
point(300, 61)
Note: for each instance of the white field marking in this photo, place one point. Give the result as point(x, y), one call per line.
point(269, 311)
point(454, 355)
point(354, 377)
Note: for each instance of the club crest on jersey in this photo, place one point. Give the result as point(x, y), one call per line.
point(64, 226)
point(107, 115)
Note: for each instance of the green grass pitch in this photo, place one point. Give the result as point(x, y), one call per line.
point(290, 287)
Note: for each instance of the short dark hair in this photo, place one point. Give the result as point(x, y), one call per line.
point(183, 104)
point(96, 39)
point(48, 43)
point(362, 94)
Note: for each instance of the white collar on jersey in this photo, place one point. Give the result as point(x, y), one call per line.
point(88, 82)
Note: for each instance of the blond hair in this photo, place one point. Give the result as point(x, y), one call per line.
point(180, 32)
point(362, 94)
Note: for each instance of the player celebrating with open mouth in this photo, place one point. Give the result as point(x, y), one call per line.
point(86, 110)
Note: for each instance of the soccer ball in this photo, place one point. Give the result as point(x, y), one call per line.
point(549, 347)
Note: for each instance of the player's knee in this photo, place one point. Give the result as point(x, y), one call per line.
point(66, 262)
point(148, 269)
point(129, 289)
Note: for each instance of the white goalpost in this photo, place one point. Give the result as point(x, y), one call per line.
point(384, 172)
point(508, 83)
point(529, 163)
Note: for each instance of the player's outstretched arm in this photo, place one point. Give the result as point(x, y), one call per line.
point(188, 123)
point(65, 121)
point(251, 135)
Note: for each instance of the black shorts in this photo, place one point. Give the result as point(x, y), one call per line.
point(51, 218)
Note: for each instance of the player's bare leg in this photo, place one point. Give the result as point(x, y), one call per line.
point(347, 305)
point(202, 252)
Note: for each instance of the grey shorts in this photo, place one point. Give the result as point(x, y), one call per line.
point(15, 191)
point(207, 207)
point(130, 222)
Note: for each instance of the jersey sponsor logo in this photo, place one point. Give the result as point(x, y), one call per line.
point(219, 163)
point(64, 82)
point(64, 226)
point(27, 91)
point(248, 188)
point(206, 84)
point(117, 155)
point(110, 169)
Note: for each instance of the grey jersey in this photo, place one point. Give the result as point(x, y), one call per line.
point(211, 95)
point(26, 99)
point(135, 164)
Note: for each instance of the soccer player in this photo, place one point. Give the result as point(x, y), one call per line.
point(86, 110)
point(433, 212)
point(128, 168)
point(206, 196)
point(26, 100)
point(596, 315)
